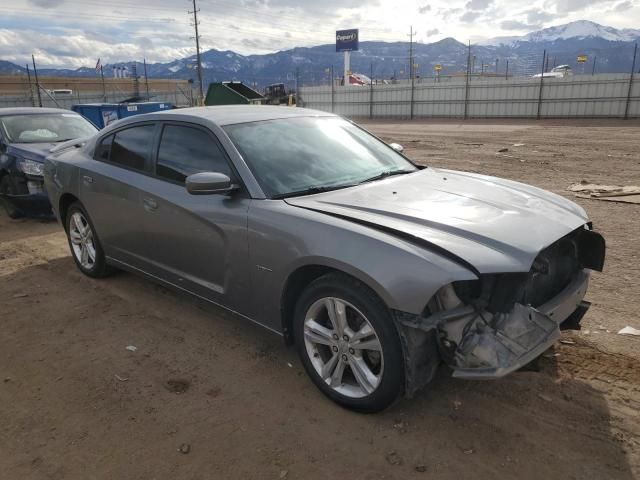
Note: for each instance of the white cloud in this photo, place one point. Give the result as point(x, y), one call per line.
point(74, 33)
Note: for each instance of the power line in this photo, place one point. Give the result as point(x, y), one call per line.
point(284, 24)
point(81, 15)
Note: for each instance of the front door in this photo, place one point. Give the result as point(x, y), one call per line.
point(196, 242)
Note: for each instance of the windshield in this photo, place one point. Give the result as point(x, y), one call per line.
point(45, 128)
point(295, 155)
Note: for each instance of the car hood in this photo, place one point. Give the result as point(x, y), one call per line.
point(493, 224)
point(31, 151)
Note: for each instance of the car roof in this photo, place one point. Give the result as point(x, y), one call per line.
point(232, 114)
point(31, 111)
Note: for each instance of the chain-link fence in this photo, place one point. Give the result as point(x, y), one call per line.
point(475, 61)
point(536, 85)
point(587, 96)
point(23, 91)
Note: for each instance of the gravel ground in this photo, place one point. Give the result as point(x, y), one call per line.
point(206, 395)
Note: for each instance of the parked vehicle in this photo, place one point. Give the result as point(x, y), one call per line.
point(277, 94)
point(26, 136)
point(377, 269)
point(102, 114)
point(561, 71)
point(358, 80)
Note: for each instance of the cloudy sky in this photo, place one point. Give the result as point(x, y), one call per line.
point(74, 33)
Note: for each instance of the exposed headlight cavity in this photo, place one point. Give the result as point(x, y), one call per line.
point(30, 167)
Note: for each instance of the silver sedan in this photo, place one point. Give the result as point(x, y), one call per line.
point(379, 270)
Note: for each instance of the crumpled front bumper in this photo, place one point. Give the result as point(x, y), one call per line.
point(35, 202)
point(547, 319)
point(419, 338)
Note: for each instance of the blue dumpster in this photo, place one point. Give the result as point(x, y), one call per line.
point(102, 114)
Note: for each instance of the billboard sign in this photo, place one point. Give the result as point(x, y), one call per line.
point(347, 40)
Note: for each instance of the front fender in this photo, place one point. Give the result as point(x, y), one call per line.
point(284, 238)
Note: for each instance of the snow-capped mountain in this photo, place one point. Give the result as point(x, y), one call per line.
point(579, 30)
point(613, 49)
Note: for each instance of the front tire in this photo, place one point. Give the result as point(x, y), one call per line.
point(348, 343)
point(85, 246)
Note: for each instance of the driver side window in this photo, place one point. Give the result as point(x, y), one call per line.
point(184, 151)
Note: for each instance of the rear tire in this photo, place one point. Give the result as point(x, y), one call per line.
point(84, 243)
point(348, 343)
point(7, 187)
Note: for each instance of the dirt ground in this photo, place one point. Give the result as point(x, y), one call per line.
point(206, 395)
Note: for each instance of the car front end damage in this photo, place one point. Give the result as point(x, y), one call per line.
point(492, 326)
point(24, 168)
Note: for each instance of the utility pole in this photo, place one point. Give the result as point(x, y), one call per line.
point(411, 72)
point(35, 72)
point(33, 102)
point(146, 78)
point(593, 69)
point(497, 62)
point(195, 25)
point(506, 71)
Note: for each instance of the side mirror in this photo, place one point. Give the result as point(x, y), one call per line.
point(209, 183)
point(397, 147)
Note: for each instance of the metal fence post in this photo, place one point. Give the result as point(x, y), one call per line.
point(544, 57)
point(371, 93)
point(298, 94)
point(466, 87)
point(633, 67)
point(35, 72)
point(33, 100)
point(333, 92)
point(413, 89)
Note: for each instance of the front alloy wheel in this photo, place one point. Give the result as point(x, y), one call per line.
point(348, 343)
point(343, 347)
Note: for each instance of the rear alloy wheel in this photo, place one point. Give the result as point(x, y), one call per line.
point(349, 344)
point(7, 188)
point(84, 243)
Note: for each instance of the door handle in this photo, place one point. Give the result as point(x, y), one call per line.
point(87, 179)
point(150, 204)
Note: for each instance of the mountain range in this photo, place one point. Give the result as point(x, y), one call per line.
point(611, 49)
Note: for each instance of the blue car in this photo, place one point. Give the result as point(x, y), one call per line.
point(26, 137)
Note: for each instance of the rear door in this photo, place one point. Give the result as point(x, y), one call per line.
point(197, 242)
point(110, 191)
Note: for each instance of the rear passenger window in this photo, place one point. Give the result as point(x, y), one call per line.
point(130, 148)
point(184, 151)
point(104, 149)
